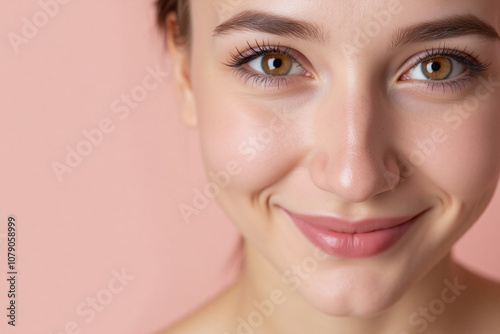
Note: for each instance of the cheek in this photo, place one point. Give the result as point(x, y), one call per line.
point(463, 156)
point(262, 140)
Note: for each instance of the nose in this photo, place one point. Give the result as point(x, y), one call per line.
point(352, 155)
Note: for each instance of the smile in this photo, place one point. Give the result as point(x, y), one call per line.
point(352, 239)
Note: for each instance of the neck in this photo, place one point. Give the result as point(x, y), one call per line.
point(268, 305)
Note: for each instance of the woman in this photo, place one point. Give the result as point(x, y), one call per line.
point(352, 143)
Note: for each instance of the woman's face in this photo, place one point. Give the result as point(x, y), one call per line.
point(355, 111)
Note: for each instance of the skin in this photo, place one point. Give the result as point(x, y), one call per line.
point(349, 123)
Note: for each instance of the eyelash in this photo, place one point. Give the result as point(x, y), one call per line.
point(469, 60)
point(240, 59)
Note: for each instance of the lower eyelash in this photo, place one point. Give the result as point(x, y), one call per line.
point(260, 79)
point(455, 84)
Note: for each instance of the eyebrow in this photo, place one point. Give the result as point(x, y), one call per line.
point(447, 27)
point(252, 20)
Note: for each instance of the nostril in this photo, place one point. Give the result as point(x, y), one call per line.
point(392, 175)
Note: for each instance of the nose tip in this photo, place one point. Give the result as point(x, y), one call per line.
point(354, 177)
point(352, 146)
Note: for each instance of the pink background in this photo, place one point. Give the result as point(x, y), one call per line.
point(118, 210)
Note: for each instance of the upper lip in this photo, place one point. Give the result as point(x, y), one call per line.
point(351, 226)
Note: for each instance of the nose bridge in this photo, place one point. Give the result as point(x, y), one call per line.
point(351, 159)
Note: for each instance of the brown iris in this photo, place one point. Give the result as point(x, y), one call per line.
point(276, 64)
point(437, 68)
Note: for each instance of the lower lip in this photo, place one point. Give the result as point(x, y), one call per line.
point(352, 245)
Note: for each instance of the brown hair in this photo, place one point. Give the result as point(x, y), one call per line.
point(181, 8)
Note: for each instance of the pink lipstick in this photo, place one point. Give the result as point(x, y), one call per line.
point(352, 239)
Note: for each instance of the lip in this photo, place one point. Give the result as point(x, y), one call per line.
point(352, 239)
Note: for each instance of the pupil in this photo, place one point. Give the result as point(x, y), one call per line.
point(277, 63)
point(435, 67)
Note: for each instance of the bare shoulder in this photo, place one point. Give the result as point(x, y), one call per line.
point(212, 318)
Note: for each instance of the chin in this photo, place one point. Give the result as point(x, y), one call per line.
point(352, 293)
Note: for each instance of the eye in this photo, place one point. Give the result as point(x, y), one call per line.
point(438, 68)
point(275, 64)
point(444, 68)
point(270, 65)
